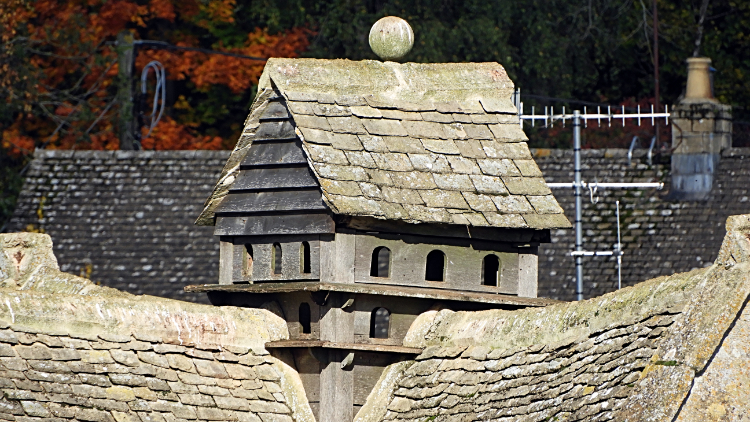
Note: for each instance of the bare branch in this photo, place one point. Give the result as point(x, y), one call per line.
point(699, 35)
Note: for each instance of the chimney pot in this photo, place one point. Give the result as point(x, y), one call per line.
point(699, 79)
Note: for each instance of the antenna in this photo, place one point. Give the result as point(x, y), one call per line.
point(578, 184)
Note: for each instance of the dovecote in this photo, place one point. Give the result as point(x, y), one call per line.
point(363, 194)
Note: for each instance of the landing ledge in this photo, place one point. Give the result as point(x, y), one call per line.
point(374, 289)
point(297, 344)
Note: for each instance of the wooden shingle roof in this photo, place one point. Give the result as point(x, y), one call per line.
point(421, 143)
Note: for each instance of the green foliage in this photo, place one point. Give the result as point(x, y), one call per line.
point(596, 51)
point(10, 185)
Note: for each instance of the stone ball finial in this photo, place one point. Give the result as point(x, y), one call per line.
point(391, 38)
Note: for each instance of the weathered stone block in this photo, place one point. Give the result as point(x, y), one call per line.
point(65, 354)
point(35, 409)
point(384, 127)
point(123, 357)
point(273, 417)
point(120, 393)
point(38, 351)
point(181, 363)
point(213, 390)
point(212, 414)
point(240, 372)
point(95, 356)
point(92, 391)
point(49, 366)
point(413, 180)
point(232, 403)
point(129, 379)
point(431, 163)
point(93, 415)
point(211, 369)
point(100, 380)
point(347, 125)
point(258, 406)
point(110, 405)
point(125, 417)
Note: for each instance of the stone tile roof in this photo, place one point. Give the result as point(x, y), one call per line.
point(639, 354)
point(414, 142)
point(125, 219)
point(660, 236)
point(85, 217)
point(103, 355)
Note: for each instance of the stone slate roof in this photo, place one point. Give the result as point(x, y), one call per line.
point(668, 349)
point(414, 142)
point(85, 216)
point(660, 236)
point(125, 219)
point(103, 355)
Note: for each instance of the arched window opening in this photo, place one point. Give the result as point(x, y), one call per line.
point(249, 260)
point(490, 270)
point(304, 258)
point(304, 318)
point(276, 259)
point(435, 269)
point(380, 266)
point(380, 323)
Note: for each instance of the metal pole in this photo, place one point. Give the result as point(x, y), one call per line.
point(578, 222)
point(125, 90)
point(619, 250)
point(656, 66)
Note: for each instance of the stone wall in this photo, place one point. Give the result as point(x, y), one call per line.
point(631, 355)
point(101, 355)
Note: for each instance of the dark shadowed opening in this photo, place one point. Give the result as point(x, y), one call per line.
point(305, 318)
point(435, 269)
point(490, 270)
point(276, 259)
point(380, 266)
point(380, 323)
point(304, 258)
point(249, 260)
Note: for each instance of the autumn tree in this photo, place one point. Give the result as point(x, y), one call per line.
point(59, 72)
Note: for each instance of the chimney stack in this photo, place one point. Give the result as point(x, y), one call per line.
point(701, 129)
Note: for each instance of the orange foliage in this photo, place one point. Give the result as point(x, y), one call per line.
point(169, 135)
point(72, 51)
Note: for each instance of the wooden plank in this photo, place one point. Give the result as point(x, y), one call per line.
point(336, 390)
point(226, 261)
point(271, 178)
point(238, 264)
point(463, 263)
point(285, 200)
point(377, 289)
point(384, 348)
point(344, 260)
point(274, 154)
point(276, 110)
point(283, 224)
point(280, 129)
point(517, 236)
point(528, 272)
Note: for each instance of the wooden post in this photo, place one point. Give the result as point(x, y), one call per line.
point(528, 271)
point(126, 90)
point(226, 261)
point(336, 379)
